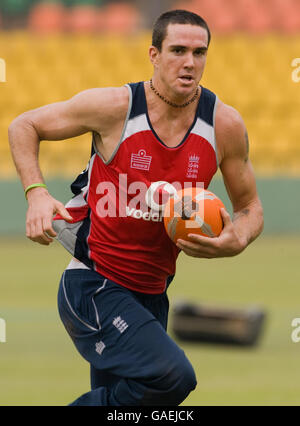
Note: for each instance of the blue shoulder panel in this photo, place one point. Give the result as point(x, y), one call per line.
point(206, 106)
point(139, 104)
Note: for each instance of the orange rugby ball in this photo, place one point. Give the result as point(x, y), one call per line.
point(193, 211)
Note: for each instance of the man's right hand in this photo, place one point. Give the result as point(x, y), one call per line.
point(41, 209)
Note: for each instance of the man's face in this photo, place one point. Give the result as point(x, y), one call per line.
point(181, 62)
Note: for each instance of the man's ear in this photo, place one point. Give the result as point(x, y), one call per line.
point(154, 55)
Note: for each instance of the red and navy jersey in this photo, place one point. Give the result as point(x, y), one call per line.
point(118, 226)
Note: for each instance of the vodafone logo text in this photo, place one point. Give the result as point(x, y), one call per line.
point(139, 214)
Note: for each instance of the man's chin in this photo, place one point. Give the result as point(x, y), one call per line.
point(185, 91)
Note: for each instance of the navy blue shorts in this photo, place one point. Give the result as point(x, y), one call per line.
point(122, 334)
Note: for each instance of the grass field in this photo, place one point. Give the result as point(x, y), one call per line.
point(39, 366)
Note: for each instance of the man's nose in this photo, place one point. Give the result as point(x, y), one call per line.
point(189, 60)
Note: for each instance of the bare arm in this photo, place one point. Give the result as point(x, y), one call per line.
point(240, 183)
point(91, 110)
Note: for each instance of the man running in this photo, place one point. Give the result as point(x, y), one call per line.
point(112, 297)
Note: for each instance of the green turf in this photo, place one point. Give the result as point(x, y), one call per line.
point(39, 366)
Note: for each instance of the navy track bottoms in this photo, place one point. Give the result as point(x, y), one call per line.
point(122, 334)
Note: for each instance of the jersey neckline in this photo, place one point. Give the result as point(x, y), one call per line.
point(187, 133)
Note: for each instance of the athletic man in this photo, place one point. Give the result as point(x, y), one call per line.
point(112, 297)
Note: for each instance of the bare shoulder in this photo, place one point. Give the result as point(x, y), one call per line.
point(105, 104)
point(97, 110)
point(231, 133)
point(107, 97)
point(235, 165)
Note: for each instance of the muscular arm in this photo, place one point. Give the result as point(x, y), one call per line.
point(239, 177)
point(91, 110)
point(247, 224)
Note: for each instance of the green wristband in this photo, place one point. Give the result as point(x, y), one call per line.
point(34, 185)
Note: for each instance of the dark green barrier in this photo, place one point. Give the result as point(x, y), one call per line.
point(280, 197)
point(281, 202)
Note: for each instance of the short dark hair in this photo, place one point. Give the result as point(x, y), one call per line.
point(177, 16)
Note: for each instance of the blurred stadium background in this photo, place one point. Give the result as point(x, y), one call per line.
point(55, 48)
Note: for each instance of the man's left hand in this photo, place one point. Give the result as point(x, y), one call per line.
point(227, 244)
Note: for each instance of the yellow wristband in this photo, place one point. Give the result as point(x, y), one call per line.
point(34, 185)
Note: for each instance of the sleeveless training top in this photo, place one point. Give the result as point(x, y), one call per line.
point(118, 226)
